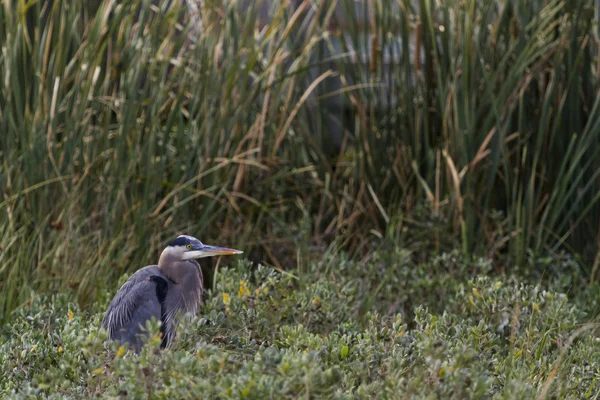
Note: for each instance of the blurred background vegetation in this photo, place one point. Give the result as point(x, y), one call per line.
point(291, 129)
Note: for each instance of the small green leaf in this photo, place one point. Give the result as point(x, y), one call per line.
point(344, 351)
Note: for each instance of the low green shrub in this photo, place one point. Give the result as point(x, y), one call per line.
point(389, 327)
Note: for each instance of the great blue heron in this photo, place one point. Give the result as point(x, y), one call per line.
point(160, 291)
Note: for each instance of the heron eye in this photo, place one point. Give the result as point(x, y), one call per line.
point(189, 246)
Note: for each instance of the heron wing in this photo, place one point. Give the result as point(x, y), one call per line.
point(135, 303)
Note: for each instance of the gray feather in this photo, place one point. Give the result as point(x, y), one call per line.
point(135, 303)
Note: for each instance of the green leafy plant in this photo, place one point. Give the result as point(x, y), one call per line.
point(263, 334)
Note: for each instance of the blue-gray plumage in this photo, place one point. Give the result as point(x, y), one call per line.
point(160, 291)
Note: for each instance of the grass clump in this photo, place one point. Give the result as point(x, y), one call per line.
point(337, 331)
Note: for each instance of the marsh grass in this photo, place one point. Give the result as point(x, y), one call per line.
point(124, 124)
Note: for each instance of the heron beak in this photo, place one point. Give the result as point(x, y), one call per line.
point(209, 251)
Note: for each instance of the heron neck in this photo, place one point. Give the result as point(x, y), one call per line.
point(174, 268)
point(167, 264)
point(187, 277)
point(185, 293)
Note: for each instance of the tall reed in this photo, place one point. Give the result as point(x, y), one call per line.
point(126, 123)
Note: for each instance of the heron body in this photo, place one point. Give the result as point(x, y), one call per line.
point(160, 291)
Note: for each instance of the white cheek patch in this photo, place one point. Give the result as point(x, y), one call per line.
point(193, 254)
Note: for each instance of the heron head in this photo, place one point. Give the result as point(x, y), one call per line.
point(186, 247)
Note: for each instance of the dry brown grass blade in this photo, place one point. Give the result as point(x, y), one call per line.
point(418, 49)
point(50, 133)
point(241, 161)
point(481, 154)
point(279, 58)
point(223, 162)
point(455, 183)
point(246, 197)
point(341, 209)
point(378, 204)
point(294, 20)
point(358, 210)
point(350, 89)
point(563, 352)
point(272, 257)
point(231, 200)
point(423, 183)
point(281, 134)
point(257, 130)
